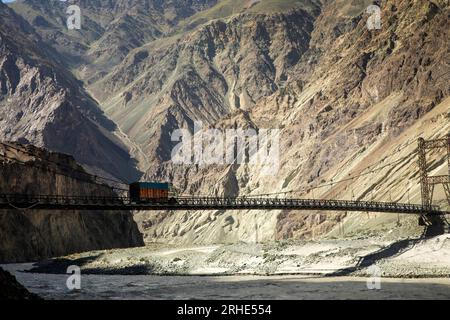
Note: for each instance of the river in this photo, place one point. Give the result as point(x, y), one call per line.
point(96, 287)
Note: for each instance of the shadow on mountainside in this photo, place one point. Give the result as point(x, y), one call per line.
point(60, 265)
point(438, 227)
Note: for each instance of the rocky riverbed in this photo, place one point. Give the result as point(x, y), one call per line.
point(406, 258)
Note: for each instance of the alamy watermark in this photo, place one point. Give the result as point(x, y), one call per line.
point(374, 21)
point(374, 282)
point(226, 147)
point(73, 282)
point(74, 19)
point(74, 16)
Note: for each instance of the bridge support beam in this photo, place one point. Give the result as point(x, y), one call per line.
point(423, 167)
point(428, 183)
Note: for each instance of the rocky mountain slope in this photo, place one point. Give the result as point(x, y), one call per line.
point(348, 100)
point(41, 103)
point(356, 98)
point(29, 235)
point(110, 29)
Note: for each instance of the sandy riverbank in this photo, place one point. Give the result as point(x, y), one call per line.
point(406, 258)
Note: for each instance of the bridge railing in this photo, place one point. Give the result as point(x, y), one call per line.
point(214, 202)
point(300, 202)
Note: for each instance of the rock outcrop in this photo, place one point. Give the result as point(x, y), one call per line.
point(30, 235)
point(13, 290)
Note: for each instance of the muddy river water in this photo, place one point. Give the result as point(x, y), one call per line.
point(51, 286)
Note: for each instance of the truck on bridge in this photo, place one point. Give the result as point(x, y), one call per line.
point(148, 192)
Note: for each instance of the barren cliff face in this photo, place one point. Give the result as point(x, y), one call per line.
point(29, 235)
point(348, 100)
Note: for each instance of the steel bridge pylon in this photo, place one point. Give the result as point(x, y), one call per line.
point(427, 182)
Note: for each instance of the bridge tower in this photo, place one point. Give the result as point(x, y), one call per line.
point(428, 183)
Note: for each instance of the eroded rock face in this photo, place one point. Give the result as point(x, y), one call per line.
point(28, 235)
point(220, 69)
point(356, 97)
point(353, 98)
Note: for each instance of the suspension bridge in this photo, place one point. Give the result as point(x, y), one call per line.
point(206, 203)
point(254, 202)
